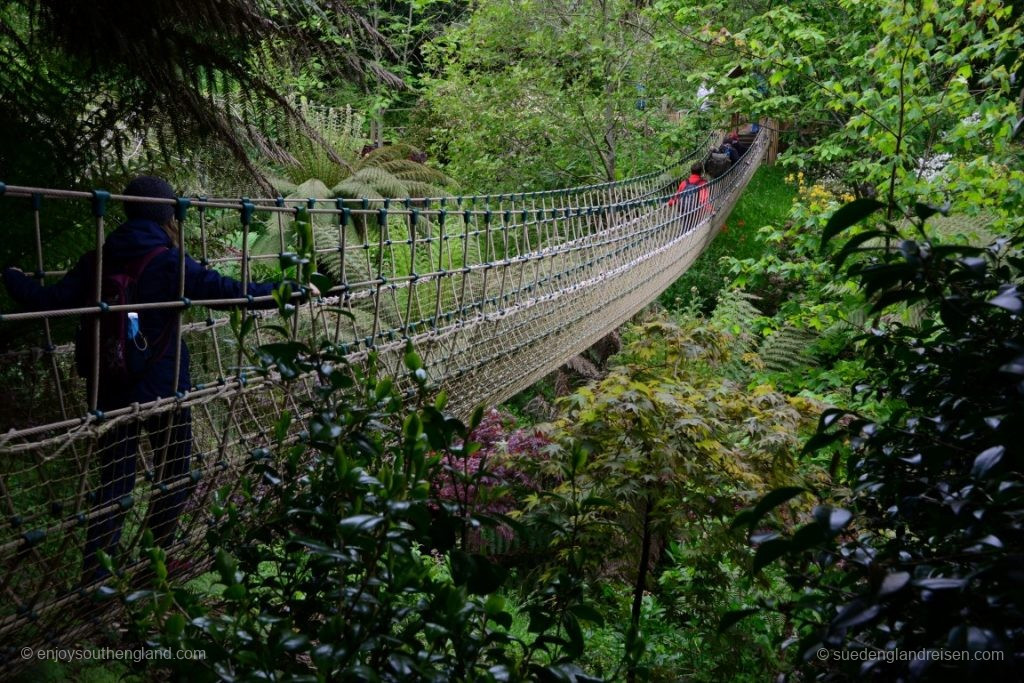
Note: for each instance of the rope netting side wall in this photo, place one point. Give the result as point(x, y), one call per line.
point(495, 292)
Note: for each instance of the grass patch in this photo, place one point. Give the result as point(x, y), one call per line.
point(766, 201)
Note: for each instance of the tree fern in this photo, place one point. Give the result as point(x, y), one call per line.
point(787, 349)
point(173, 73)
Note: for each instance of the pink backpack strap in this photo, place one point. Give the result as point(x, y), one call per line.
point(139, 266)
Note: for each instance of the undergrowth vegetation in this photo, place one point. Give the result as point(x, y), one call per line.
point(395, 542)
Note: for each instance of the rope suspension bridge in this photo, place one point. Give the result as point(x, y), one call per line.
point(494, 291)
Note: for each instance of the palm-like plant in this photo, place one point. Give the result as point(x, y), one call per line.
point(391, 171)
point(87, 81)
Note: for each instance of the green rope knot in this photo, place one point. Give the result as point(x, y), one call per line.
point(99, 203)
point(34, 537)
point(181, 208)
point(246, 210)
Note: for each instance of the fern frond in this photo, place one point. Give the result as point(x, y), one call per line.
point(420, 190)
point(353, 188)
point(313, 187)
point(786, 349)
point(412, 170)
point(388, 153)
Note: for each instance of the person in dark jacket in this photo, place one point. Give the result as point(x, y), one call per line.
point(717, 164)
point(150, 236)
point(738, 145)
point(728, 150)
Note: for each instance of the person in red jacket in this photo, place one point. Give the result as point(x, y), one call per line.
point(693, 195)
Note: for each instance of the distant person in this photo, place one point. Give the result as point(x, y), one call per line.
point(145, 247)
point(717, 164)
point(728, 150)
point(737, 144)
point(692, 195)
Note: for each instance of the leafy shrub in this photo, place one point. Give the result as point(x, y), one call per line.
point(657, 451)
point(926, 555)
point(491, 479)
point(339, 562)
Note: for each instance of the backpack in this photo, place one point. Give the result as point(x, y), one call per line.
point(124, 351)
point(717, 164)
point(677, 197)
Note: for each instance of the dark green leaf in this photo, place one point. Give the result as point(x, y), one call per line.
point(848, 216)
point(322, 282)
point(852, 246)
point(1008, 300)
point(174, 626)
point(940, 583)
point(893, 583)
point(808, 536)
point(730, 618)
point(926, 211)
point(986, 460)
point(854, 614)
point(833, 520)
point(769, 551)
point(771, 500)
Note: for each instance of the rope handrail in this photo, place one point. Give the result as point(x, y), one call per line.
point(492, 299)
point(286, 204)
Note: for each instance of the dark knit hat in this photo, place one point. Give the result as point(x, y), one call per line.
point(149, 186)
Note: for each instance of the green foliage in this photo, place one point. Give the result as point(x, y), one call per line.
point(333, 157)
point(338, 562)
point(327, 160)
point(111, 90)
point(786, 349)
point(925, 553)
point(544, 94)
point(909, 99)
point(657, 452)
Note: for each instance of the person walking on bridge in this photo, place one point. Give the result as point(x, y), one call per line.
point(692, 196)
point(146, 247)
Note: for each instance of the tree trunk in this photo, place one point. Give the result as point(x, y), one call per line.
point(641, 580)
